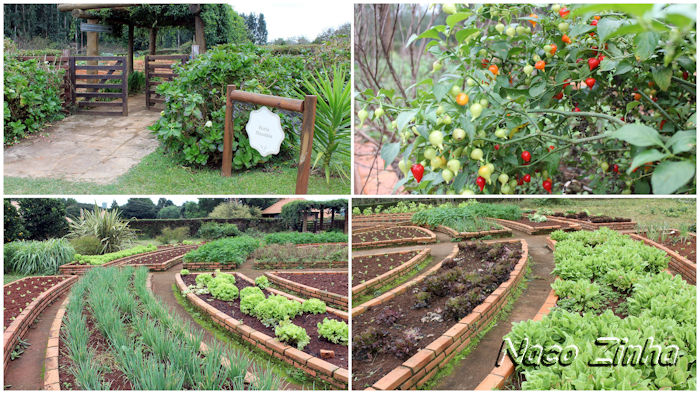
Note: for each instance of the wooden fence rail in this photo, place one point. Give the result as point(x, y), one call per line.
point(95, 80)
point(158, 69)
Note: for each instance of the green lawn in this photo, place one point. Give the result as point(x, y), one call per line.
point(11, 277)
point(158, 173)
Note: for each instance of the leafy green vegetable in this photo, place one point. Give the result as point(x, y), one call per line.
point(106, 258)
point(335, 331)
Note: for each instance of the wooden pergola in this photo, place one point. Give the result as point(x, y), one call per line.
point(120, 16)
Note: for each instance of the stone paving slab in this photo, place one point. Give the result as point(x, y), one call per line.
point(86, 148)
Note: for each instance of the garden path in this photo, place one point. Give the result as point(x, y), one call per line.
point(469, 372)
point(27, 372)
point(162, 286)
point(86, 148)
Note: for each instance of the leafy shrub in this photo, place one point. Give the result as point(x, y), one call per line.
point(14, 224)
point(335, 331)
point(177, 234)
point(275, 309)
point(291, 254)
point(225, 250)
point(292, 334)
point(37, 257)
point(136, 82)
point(32, 91)
point(169, 212)
point(203, 280)
point(106, 225)
point(222, 289)
point(213, 230)
point(192, 123)
point(292, 237)
point(234, 210)
point(184, 272)
point(105, 258)
point(250, 301)
point(313, 305)
point(262, 282)
point(88, 245)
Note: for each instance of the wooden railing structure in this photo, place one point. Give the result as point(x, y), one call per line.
point(158, 69)
point(94, 77)
point(307, 107)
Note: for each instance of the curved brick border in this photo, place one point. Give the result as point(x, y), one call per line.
point(380, 227)
point(532, 230)
point(21, 324)
point(309, 291)
point(80, 269)
point(389, 276)
point(430, 238)
point(294, 265)
point(473, 234)
point(51, 376)
point(680, 264)
point(362, 221)
point(418, 369)
point(314, 366)
point(619, 226)
point(165, 265)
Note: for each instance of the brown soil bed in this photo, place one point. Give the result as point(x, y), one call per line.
point(674, 242)
point(591, 219)
point(530, 223)
point(307, 321)
point(387, 335)
point(21, 293)
point(336, 283)
point(158, 258)
point(389, 234)
point(101, 346)
point(365, 268)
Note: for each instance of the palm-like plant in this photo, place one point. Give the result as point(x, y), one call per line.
point(108, 226)
point(332, 132)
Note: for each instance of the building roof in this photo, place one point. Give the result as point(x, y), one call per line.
point(276, 208)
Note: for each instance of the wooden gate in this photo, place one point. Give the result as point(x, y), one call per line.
point(159, 68)
point(103, 88)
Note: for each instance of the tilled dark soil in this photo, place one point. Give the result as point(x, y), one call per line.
point(388, 233)
point(673, 241)
point(530, 223)
point(307, 320)
point(389, 334)
point(336, 283)
point(21, 293)
point(160, 257)
point(365, 268)
point(592, 219)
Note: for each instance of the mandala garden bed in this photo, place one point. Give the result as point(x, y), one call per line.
point(162, 260)
point(265, 318)
point(224, 254)
point(531, 227)
point(393, 236)
point(589, 222)
point(327, 286)
point(386, 219)
point(496, 231)
point(374, 271)
point(86, 263)
point(23, 301)
point(405, 336)
point(290, 256)
point(114, 334)
point(681, 251)
point(607, 283)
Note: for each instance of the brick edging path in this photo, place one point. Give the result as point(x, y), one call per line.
point(323, 295)
point(429, 238)
point(423, 365)
point(314, 366)
point(51, 376)
point(21, 324)
point(532, 230)
point(390, 275)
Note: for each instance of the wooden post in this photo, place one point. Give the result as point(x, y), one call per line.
point(304, 225)
point(125, 88)
point(199, 33)
point(130, 50)
point(307, 139)
point(195, 51)
point(92, 49)
point(65, 63)
point(153, 32)
point(146, 60)
point(228, 134)
point(321, 220)
point(71, 71)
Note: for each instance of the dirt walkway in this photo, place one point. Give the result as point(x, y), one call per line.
point(27, 372)
point(86, 148)
point(468, 373)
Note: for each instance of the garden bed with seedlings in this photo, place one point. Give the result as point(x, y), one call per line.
point(592, 222)
point(23, 302)
point(494, 231)
point(290, 256)
point(304, 333)
point(535, 227)
point(84, 263)
point(162, 260)
point(328, 286)
point(607, 280)
point(374, 271)
point(223, 253)
point(402, 338)
point(393, 236)
point(113, 334)
point(384, 219)
point(680, 248)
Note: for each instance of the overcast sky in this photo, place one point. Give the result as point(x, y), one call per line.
point(177, 200)
point(286, 19)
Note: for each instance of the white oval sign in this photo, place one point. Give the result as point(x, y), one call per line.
point(265, 131)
